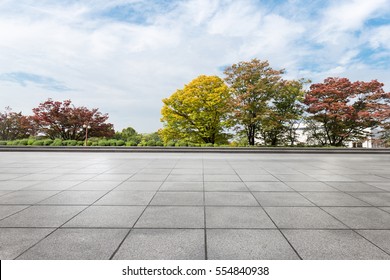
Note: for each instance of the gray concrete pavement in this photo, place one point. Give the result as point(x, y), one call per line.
point(194, 206)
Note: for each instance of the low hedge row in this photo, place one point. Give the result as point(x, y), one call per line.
point(59, 142)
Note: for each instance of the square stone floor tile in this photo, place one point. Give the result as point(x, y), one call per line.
point(361, 217)
point(387, 209)
point(237, 217)
point(178, 171)
point(383, 186)
point(221, 178)
point(244, 244)
point(353, 187)
point(310, 187)
point(139, 186)
point(182, 186)
point(250, 171)
point(107, 216)
point(178, 198)
point(4, 192)
point(126, 198)
point(38, 177)
point(95, 186)
point(26, 197)
point(333, 245)
point(74, 198)
point(185, 178)
point(148, 177)
point(295, 178)
point(268, 187)
point(333, 199)
point(74, 177)
point(258, 178)
point(219, 171)
point(52, 186)
point(172, 217)
point(111, 177)
point(14, 241)
point(332, 178)
point(163, 244)
point(230, 198)
point(155, 171)
point(15, 185)
point(225, 187)
point(376, 199)
point(281, 199)
point(6, 210)
point(42, 216)
point(77, 244)
point(380, 238)
point(303, 218)
point(367, 178)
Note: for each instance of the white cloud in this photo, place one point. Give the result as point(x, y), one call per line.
point(126, 67)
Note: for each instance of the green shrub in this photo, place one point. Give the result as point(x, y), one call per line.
point(23, 142)
point(56, 142)
point(112, 142)
point(120, 143)
point(131, 143)
point(38, 143)
point(103, 142)
point(3, 143)
point(30, 141)
point(171, 143)
point(207, 145)
point(47, 142)
point(94, 144)
point(181, 143)
point(151, 143)
point(80, 143)
point(159, 143)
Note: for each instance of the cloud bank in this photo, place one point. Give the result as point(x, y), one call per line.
point(124, 56)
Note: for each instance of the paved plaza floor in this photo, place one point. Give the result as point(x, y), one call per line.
point(194, 206)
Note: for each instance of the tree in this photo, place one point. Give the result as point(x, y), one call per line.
point(63, 120)
point(14, 125)
point(283, 113)
point(252, 85)
point(198, 112)
point(346, 110)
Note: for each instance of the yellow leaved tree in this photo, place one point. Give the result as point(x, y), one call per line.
point(197, 113)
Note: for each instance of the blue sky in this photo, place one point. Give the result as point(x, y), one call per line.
point(125, 56)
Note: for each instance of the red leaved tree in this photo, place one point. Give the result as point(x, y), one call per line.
point(58, 119)
point(342, 110)
point(14, 125)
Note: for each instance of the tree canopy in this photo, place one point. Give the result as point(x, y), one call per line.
point(341, 110)
point(58, 119)
point(14, 125)
point(198, 112)
point(252, 85)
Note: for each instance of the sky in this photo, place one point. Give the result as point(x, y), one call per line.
point(125, 56)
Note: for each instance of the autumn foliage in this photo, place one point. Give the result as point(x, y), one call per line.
point(343, 110)
point(15, 126)
point(198, 112)
point(57, 119)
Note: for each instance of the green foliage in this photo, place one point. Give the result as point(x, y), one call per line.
point(38, 143)
point(3, 143)
point(131, 143)
point(103, 142)
point(30, 141)
point(48, 142)
point(57, 142)
point(23, 142)
point(120, 143)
